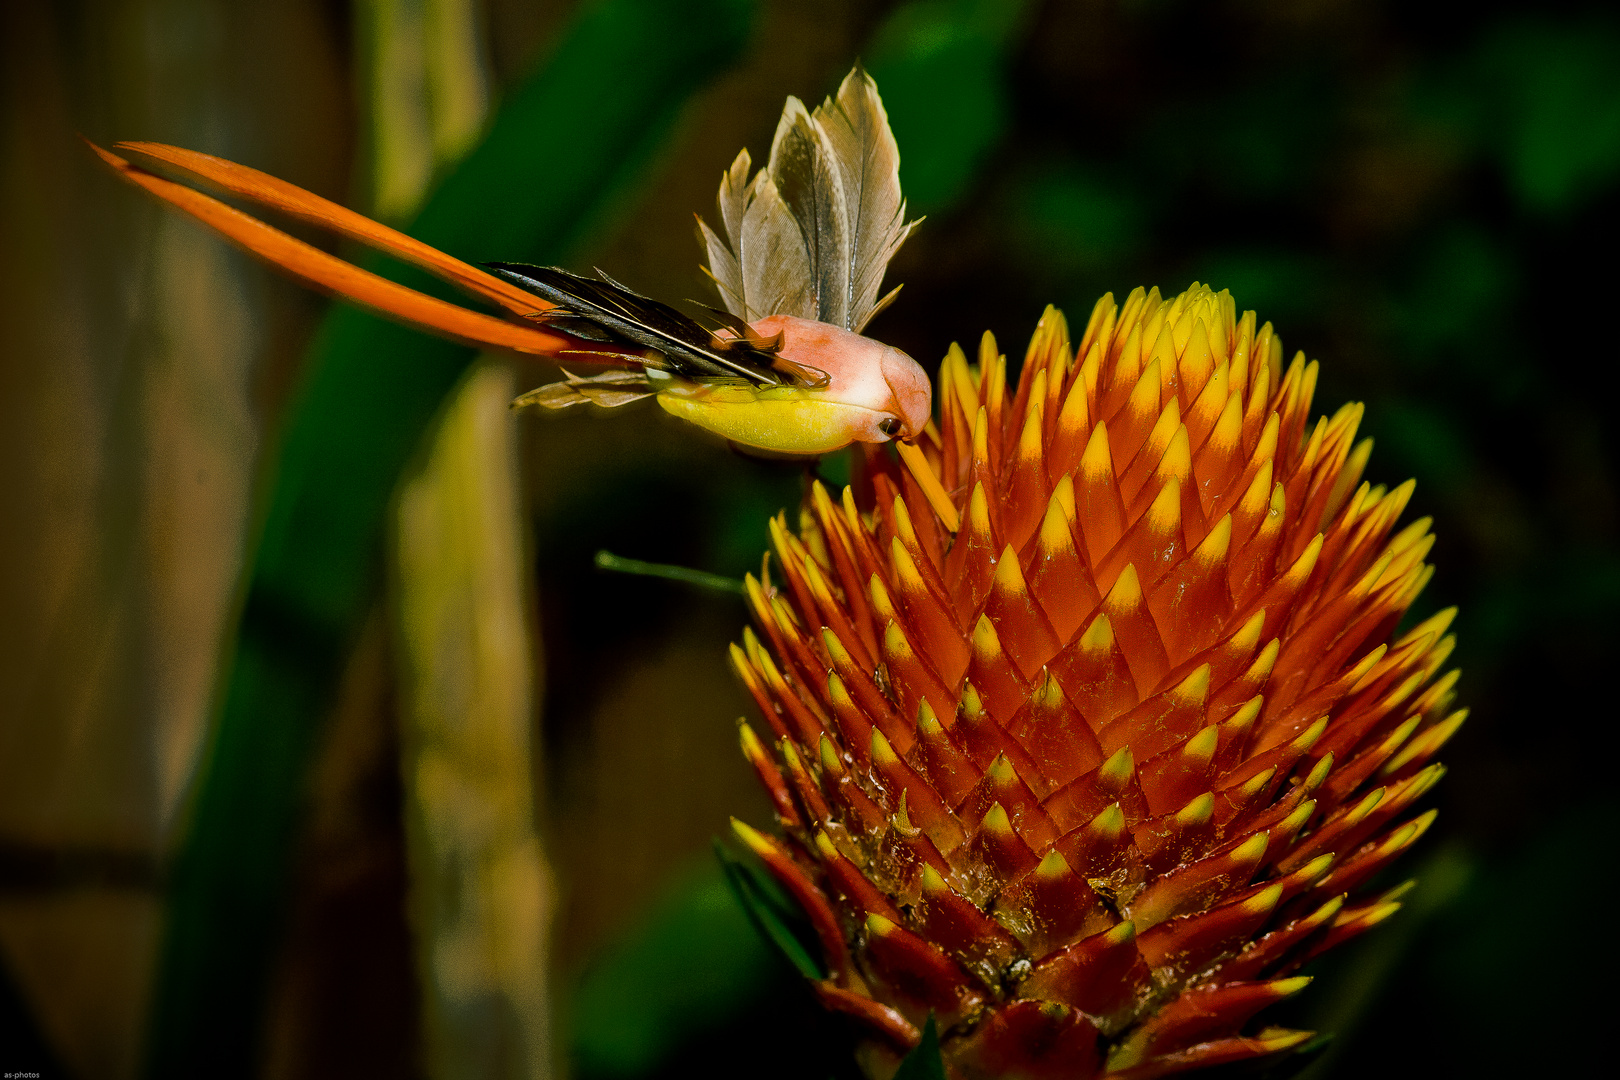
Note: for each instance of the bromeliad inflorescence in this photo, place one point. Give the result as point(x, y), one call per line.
point(1088, 725)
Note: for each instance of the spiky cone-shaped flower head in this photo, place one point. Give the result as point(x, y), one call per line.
point(1089, 723)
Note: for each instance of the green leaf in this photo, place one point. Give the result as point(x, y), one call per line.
point(684, 970)
point(772, 913)
point(566, 143)
point(924, 1062)
point(941, 66)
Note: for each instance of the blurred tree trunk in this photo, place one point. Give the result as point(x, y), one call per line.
point(134, 348)
point(480, 895)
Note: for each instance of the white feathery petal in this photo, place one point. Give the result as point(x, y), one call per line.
point(869, 160)
point(806, 171)
point(812, 234)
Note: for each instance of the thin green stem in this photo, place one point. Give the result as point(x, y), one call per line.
point(618, 564)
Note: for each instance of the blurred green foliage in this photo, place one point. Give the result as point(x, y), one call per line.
point(692, 963)
point(925, 1062)
point(941, 66)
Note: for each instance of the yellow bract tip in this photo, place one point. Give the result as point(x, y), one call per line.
point(1252, 849)
point(1099, 636)
point(1001, 770)
point(882, 752)
point(1165, 513)
point(1008, 576)
point(1122, 933)
point(1198, 750)
point(1109, 822)
point(1264, 901)
point(932, 489)
point(1127, 590)
point(1118, 768)
point(986, 645)
point(1197, 812)
point(1052, 866)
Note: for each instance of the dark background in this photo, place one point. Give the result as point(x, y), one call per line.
point(1423, 197)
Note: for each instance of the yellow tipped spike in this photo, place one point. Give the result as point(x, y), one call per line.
point(1164, 515)
point(1318, 774)
point(882, 602)
point(1224, 439)
point(1263, 901)
point(987, 351)
point(1253, 849)
point(1046, 691)
point(902, 523)
point(1194, 689)
point(1100, 324)
point(1275, 1040)
point(979, 511)
point(1075, 414)
point(830, 761)
point(878, 926)
point(1248, 635)
point(1295, 821)
point(1098, 638)
point(1007, 575)
point(1435, 624)
point(1197, 812)
point(986, 645)
point(1318, 867)
point(1214, 546)
point(1161, 343)
point(1096, 463)
point(1144, 399)
point(1197, 357)
point(1053, 866)
point(1127, 591)
point(1177, 460)
point(1257, 782)
point(927, 722)
point(1054, 536)
point(932, 489)
point(1028, 448)
point(882, 752)
point(972, 704)
point(1001, 770)
point(1426, 743)
point(1307, 738)
point(996, 822)
point(961, 380)
point(1063, 495)
point(1118, 769)
point(757, 842)
point(1200, 748)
